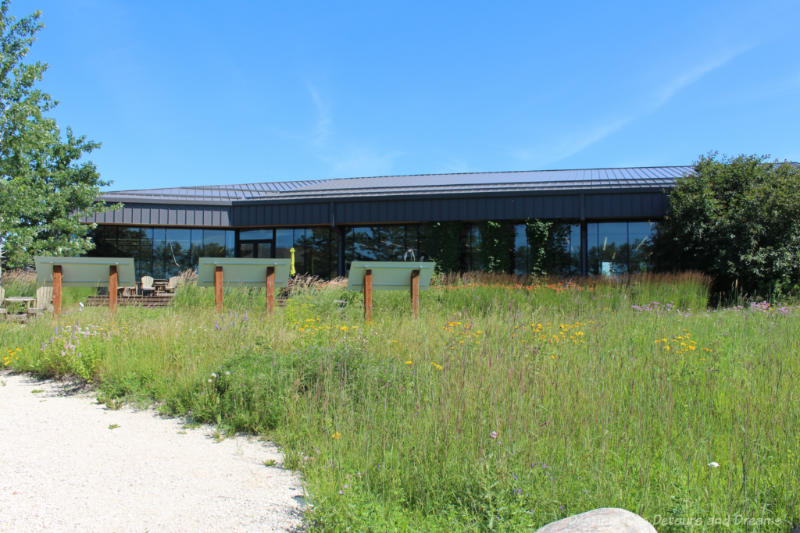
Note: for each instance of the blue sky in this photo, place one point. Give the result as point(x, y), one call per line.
point(191, 93)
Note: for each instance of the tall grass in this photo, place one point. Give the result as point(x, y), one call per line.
point(504, 407)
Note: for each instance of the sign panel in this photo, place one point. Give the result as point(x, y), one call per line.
point(389, 275)
point(242, 271)
point(85, 271)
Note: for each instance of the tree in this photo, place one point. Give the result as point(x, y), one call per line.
point(735, 219)
point(45, 187)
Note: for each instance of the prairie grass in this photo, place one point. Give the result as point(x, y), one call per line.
point(504, 407)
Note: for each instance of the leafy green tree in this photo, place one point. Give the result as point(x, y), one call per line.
point(735, 219)
point(45, 187)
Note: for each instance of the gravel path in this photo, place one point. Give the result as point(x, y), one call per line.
point(70, 464)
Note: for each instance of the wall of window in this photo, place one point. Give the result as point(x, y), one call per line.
point(162, 252)
point(381, 243)
point(613, 247)
point(562, 253)
point(315, 250)
point(619, 247)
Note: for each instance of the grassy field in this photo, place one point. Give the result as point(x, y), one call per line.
point(504, 407)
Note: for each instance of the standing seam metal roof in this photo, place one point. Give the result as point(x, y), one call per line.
point(470, 182)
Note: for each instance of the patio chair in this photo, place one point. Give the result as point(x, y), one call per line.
point(3, 312)
point(172, 284)
point(147, 285)
point(127, 292)
point(44, 299)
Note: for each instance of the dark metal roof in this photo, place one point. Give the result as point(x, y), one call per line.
point(207, 193)
point(611, 179)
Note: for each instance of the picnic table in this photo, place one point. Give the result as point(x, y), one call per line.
point(27, 300)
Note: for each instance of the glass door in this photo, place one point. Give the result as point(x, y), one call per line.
point(261, 248)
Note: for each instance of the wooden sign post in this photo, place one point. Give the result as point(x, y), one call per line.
point(113, 279)
point(218, 287)
point(60, 272)
point(369, 276)
point(270, 289)
point(415, 293)
point(57, 276)
point(368, 295)
point(269, 272)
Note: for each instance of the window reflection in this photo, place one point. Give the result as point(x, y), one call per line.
point(613, 247)
point(640, 236)
point(161, 252)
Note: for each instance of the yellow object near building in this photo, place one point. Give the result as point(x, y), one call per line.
point(292, 270)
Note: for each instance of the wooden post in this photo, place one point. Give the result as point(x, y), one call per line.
point(415, 292)
point(57, 273)
point(368, 295)
point(270, 289)
point(113, 279)
point(218, 287)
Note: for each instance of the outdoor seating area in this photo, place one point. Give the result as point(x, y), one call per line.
point(148, 292)
point(22, 307)
point(113, 277)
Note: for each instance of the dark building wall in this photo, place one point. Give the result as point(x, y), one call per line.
point(648, 204)
point(166, 215)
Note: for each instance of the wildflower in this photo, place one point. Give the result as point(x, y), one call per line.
point(409, 362)
point(343, 328)
point(493, 435)
point(436, 366)
point(713, 464)
point(227, 372)
point(336, 436)
point(209, 379)
point(214, 375)
point(341, 492)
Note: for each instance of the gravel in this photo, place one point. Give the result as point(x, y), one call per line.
point(70, 464)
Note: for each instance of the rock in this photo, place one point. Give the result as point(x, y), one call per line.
point(604, 520)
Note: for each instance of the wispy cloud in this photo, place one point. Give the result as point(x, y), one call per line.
point(343, 157)
point(568, 145)
point(683, 80)
point(576, 141)
point(361, 161)
point(324, 123)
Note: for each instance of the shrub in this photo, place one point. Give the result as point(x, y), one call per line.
point(735, 219)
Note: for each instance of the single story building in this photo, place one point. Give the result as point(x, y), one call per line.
point(602, 220)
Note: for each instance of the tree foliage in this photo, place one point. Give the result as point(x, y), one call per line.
point(735, 219)
point(45, 187)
